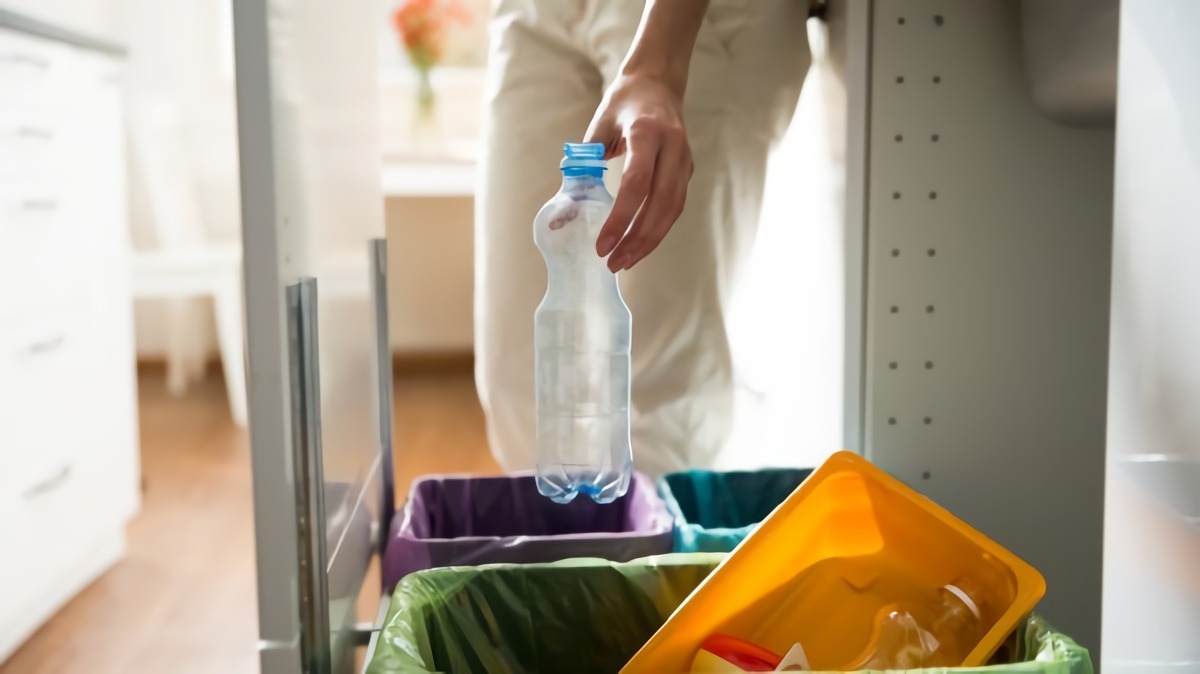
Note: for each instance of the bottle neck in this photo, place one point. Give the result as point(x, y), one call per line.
point(967, 594)
point(582, 175)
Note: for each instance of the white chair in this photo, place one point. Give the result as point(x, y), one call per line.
point(185, 266)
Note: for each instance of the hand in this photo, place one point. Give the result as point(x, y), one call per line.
point(643, 116)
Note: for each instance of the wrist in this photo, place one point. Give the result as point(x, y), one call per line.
point(655, 68)
point(662, 48)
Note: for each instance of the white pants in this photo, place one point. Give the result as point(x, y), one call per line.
point(550, 62)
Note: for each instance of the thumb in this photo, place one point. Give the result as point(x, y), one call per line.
point(603, 130)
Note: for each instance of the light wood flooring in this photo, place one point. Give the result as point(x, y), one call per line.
point(183, 599)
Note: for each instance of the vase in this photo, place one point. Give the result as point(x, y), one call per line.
point(426, 129)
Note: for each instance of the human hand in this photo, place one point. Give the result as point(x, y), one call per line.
point(642, 116)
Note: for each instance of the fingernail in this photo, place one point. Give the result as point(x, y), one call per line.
point(604, 246)
point(617, 264)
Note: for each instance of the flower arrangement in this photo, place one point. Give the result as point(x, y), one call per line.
point(423, 26)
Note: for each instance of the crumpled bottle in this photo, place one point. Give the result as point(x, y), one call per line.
point(941, 633)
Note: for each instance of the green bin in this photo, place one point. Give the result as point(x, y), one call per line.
point(590, 615)
point(715, 510)
point(578, 615)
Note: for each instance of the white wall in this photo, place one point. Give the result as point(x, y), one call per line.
point(179, 51)
point(1152, 555)
point(458, 106)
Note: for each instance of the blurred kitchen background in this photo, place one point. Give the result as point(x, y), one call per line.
point(154, 518)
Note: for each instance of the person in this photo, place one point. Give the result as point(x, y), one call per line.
point(692, 94)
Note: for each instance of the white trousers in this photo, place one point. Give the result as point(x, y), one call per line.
point(550, 62)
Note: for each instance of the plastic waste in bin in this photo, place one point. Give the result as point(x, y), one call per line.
point(465, 521)
point(715, 510)
point(589, 615)
point(846, 547)
point(578, 615)
point(1034, 648)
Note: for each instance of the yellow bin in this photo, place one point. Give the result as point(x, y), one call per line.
point(847, 544)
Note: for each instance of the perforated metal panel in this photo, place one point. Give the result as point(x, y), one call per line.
point(987, 233)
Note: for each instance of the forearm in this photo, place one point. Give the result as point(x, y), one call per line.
point(662, 48)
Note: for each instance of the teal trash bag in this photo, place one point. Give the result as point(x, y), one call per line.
point(577, 615)
point(715, 510)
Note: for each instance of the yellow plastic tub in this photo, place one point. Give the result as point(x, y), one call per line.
point(848, 543)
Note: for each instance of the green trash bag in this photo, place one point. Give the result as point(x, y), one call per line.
point(1034, 648)
point(590, 615)
point(715, 510)
point(577, 615)
point(1037, 648)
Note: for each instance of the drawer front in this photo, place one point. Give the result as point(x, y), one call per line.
point(44, 239)
point(48, 524)
point(67, 470)
point(33, 145)
point(62, 187)
point(60, 112)
point(35, 73)
point(38, 363)
point(67, 396)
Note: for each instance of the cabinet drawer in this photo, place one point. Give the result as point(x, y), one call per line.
point(64, 477)
point(34, 72)
point(44, 244)
point(49, 527)
point(38, 365)
point(61, 109)
point(56, 383)
point(33, 145)
point(61, 488)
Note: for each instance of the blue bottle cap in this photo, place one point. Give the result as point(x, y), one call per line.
point(583, 155)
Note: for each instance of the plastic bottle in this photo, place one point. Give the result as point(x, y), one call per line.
point(940, 634)
point(582, 334)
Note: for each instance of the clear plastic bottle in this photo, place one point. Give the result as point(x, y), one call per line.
point(942, 633)
point(582, 333)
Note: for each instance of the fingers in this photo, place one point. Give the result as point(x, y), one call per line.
point(603, 130)
point(636, 182)
point(663, 205)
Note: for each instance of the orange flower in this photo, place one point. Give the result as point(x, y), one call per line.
point(423, 26)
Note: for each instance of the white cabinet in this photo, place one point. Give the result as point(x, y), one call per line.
point(68, 431)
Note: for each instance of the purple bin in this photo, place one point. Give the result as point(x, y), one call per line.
point(467, 521)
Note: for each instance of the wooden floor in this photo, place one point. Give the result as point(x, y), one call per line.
point(183, 599)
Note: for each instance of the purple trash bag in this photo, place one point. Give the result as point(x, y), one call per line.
point(467, 521)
